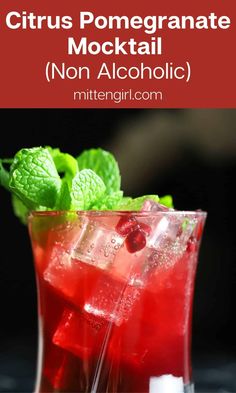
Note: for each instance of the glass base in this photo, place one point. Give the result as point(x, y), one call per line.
point(189, 388)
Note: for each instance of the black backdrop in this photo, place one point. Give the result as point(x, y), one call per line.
point(198, 176)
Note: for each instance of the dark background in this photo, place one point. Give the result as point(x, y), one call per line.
point(190, 154)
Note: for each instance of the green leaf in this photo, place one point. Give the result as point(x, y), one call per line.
point(68, 166)
point(64, 162)
point(4, 176)
point(64, 200)
point(109, 202)
point(104, 165)
point(87, 187)
point(34, 177)
point(167, 201)
point(137, 203)
point(20, 210)
point(123, 203)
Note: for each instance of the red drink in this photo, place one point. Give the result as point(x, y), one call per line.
point(115, 299)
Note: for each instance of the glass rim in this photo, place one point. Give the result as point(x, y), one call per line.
point(99, 213)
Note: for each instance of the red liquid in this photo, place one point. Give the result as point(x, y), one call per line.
point(102, 333)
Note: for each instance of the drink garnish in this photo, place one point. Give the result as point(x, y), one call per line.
point(44, 179)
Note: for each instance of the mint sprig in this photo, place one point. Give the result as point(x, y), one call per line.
point(48, 179)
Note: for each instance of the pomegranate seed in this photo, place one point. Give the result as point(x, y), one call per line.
point(145, 227)
point(191, 245)
point(179, 232)
point(125, 225)
point(135, 241)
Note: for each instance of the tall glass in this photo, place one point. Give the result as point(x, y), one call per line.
point(115, 294)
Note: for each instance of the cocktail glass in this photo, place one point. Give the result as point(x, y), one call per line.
point(115, 293)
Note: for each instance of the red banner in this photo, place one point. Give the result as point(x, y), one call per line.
point(117, 54)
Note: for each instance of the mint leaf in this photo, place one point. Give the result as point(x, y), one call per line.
point(34, 178)
point(64, 162)
point(109, 202)
point(137, 203)
point(4, 176)
point(123, 203)
point(64, 200)
point(68, 166)
point(104, 165)
point(20, 210)
point(87, 187)
point(167, 201)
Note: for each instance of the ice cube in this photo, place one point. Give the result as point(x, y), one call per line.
point(168, 226)
point(79, 335)
point(102, 290)
point(166, 383)
point(97, 244)
point(168, 242)
point(162, 226)
point(112, 299)
point(151, 206)
point(73, 270)
point(72, 279)
point(118, 289)
point(101, 293)
point(169, 236)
